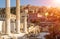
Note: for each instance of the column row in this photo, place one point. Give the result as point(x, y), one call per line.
point(7, 20)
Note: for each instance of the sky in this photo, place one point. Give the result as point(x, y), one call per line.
point(32, 2)
point(2, 3)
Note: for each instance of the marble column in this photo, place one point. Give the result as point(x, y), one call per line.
point(25, 21)
point(3, 27)
point(7, 17)
point(18, 16)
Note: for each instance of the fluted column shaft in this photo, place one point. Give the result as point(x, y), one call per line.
point(18, 15)
point(7, 17)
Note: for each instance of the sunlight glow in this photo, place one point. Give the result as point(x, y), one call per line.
point(46, 14)
point(56, 1)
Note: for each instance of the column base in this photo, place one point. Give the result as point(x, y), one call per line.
point(15, 36)
point(5, 37)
